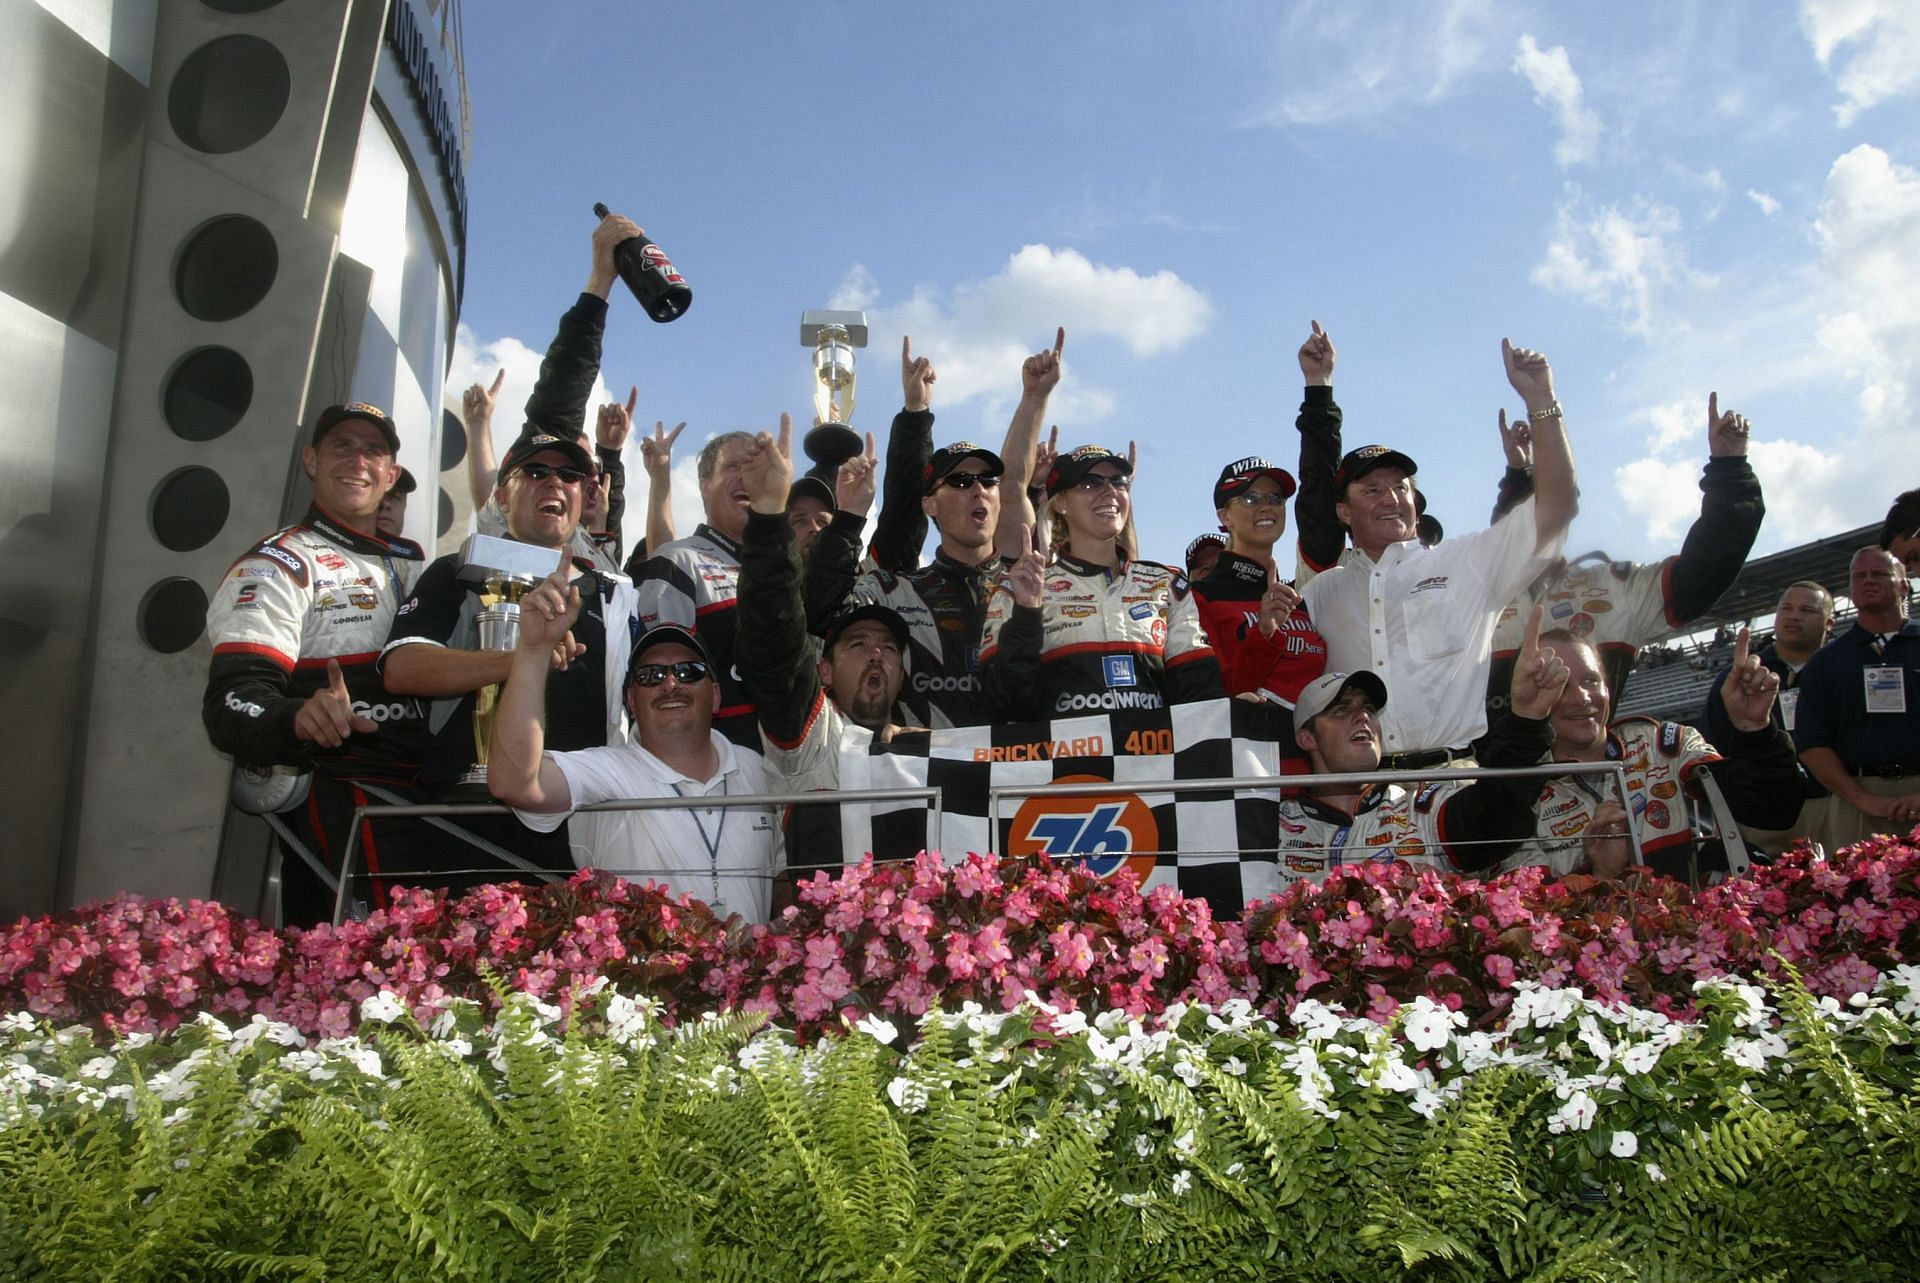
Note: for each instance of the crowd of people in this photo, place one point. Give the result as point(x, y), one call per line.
point(756, 654)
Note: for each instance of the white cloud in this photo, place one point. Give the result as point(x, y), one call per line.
point(979, 332)
point(1618, 259)
point(1556, 87)
point(857, 290)
point(1879, 46)
point(1373, 61)
point(1842, 332)
point(1767, 204)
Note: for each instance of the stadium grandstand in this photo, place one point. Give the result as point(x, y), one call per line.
point(1671, 679)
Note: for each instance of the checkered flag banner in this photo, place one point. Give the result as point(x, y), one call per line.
point(1191, 840)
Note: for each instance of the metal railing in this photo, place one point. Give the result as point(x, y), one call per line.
point(769, 801)
point(1276, 783)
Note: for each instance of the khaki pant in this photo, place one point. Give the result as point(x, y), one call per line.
point(1774, 842)
point(1841, 824)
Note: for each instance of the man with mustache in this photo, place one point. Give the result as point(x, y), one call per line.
point(814, 706)
point(724, 856)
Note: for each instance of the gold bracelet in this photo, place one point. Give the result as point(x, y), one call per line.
point(1551, 412)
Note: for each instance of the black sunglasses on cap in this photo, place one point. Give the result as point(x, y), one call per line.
point(541, 471)
point(968, 480)
point(685, 672)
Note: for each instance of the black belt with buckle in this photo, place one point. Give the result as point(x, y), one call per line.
point(1421, 760)
point(1893, 772)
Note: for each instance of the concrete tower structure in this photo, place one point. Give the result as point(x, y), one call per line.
point(216, 217)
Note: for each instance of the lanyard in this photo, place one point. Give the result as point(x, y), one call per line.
point(712, 843)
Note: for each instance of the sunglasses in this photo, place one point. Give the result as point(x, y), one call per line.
point(968, 480)
point(1094, 483)
point(685, 672)
point(1260, 499)
point(541, 471)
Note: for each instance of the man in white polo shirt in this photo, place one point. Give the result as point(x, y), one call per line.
point(1421, 619)
point(724, 855)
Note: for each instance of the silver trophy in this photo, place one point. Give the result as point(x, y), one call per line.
point(833, 336)
point(500, 572)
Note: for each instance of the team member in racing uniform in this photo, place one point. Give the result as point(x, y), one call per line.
point(1457, 826)
point(1583, 825)
point(296, 626)
point(1263, 640)
point(813, 707)
point(942, 602)
point(1620, 606)
point(1093, 631)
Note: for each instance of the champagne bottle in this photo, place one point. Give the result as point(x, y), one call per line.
point(651, 275)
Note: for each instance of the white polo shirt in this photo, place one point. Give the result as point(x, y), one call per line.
point(725, 856)
point(1421, 619)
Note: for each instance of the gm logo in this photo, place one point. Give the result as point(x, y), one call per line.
point(1119, 671)
point(1112, 831)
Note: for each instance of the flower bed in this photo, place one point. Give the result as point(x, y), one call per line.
point(1583, 1140)
point(894, 939)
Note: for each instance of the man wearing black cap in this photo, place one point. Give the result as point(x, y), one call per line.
point(943, 603)
point(295, 625)
point(434, 647)
point(391, 521)
point(1203, 554)
point(813, 707)
point(1454, 826)
point(1421, 618)
point(1249, 616)
point(725, 856)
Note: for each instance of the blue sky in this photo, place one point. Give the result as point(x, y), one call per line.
point(1667, 199)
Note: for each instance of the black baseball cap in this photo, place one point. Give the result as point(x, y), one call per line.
point(871, 610)
point(1241, 473)
point(404, 483)
point(813, 486)
point(949, 457)
point(1070, 468)
point(1202, 541)
point(357, 410)
point(528, 445)
point(667, 634)
point(1359, 463)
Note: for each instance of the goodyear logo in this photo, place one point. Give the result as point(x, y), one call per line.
point(1110, 831)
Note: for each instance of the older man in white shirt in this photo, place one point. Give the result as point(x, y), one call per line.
point(1421, 619)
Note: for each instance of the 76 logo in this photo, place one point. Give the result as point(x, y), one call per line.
point(1113, 832)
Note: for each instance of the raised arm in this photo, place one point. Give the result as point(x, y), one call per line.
point(1320, 536)
point(519, 772)
point(1731, 509)
point(1516, 484)
point(770, 647)
point(656, 457)
point(476, 412)
point(832, 563)
point(1483, 822)
point(1556, 496)
point(1039, 375)
point(610, 432)
point(901, 531)
point(558, 403)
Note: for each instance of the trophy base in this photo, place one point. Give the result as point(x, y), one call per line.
point(832, 444)
point(471, 787)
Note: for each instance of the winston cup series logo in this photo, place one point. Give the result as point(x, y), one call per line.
point(1109, 832)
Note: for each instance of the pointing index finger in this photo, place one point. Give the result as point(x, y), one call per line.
point(1740, 649)
point(906, 351)
point(785, 441)
point(1059, 341)
point(499, 377)
point(1531, 643)
point(336, 680)
point(1713, 409)
point(633, 399)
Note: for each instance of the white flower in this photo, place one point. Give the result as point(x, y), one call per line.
point(1143, 1146)
point(908, 1096)
point(1625, 1145)
point(879, 1030)
point(17, 1022)
point(1428, 1025)
point(1316, 1021)
point(626, 1019)
point(214, 1026)
point(1640, 1058)
point(1425, 1102)
point(1069, 1023)
point(1654, 1173)
point(1182, 1181)
point(366, 1060)
point(1235, 1066)
point(100, 1067)
point(383, 1008)
point(1576, 1115)
point(1185, 1142)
